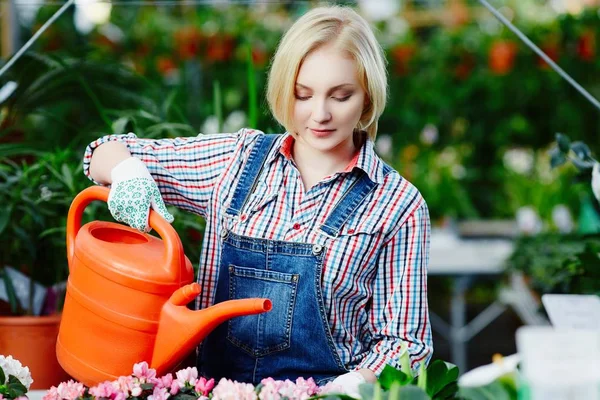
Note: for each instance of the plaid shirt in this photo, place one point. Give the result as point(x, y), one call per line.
point(374, 272)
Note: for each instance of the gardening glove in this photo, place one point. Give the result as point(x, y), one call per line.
point(349, 383)
point(132, 193)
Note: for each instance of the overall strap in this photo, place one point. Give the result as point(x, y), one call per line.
point(253, 168)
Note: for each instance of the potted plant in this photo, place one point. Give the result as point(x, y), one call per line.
point(33, 265)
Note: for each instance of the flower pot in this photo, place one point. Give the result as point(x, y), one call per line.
point(32, 341)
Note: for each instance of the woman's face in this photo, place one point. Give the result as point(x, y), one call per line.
point(329, 101)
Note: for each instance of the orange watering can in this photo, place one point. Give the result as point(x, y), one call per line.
point(126, 298)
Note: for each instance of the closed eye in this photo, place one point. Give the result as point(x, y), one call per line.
point(340, 99)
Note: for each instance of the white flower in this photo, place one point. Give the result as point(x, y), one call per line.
point(429, 134)
point(518, 160)
point(561, 216)
point(487, 374)
point(383, 145)
point(10, 366)
point(596, 181)
point(89, 13)
point(234, 121)
point(379, 10)
point(528, 221)
point(458, 171)
point(210, 126)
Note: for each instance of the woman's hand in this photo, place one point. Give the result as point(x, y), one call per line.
point(349, 382)
point(132, 193)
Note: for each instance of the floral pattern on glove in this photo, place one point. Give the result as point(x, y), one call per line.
point(130, 201)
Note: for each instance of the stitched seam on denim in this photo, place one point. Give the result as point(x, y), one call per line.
point(355, 206)
point(242, 182)
point(323, 316)
point(258, 352)
point(333, 212)
point(251, 173)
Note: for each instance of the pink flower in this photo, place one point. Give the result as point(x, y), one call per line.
point(174, 388)
point(188, 375)
point(51, 394)
point(120, 396)
point(232, 390)
point(70, 390)
point(104, 389)
point(136, 391)
point(331, 388)
point(143, 373)
point(204, 386)
point(165, 381)
point(159, 394)
point(305, 388)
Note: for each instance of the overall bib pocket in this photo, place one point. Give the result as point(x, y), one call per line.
point(268, 332)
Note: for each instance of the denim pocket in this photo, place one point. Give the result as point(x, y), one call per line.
point(268, 332)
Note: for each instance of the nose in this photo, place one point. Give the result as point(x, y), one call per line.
point(320, 111)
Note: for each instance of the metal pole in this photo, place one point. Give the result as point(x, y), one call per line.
point(540, 53)
point(27, 45)
point(10, 27)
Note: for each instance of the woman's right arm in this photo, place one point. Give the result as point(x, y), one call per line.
point(105, 158)
point(186, 169)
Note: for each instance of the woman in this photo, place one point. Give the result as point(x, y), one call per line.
point(312, 218)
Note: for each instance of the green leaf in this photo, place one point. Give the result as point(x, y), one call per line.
point(252, 91)
point(492, 391)
point(448, 392)
point(5, 213)
point(564, 143)
point(412, 393)
point(389, 375)
point(120, 125)
point(15, 386)
point(439, 375)
point(557, 158)
point(2, 376)
point(184, 396)
point(218, 104)
point(10, 293)
point(147, 386)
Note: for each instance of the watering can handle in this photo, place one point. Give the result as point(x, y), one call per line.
point(174, 249)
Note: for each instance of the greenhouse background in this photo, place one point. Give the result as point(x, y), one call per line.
point(471, 120)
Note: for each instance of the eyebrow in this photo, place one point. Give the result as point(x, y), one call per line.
point(349, 85)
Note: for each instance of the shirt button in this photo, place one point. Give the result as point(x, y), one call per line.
point(223, 233)
point(351, 231)
point(297, 226)
point(244, 217)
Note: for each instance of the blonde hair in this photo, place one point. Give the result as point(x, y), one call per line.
point(348, 31)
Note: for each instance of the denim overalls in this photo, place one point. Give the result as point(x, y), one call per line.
point(293, 339)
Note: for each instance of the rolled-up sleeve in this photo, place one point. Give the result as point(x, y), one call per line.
point(185, 169)
point(400, 312)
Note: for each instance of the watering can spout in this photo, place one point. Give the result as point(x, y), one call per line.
point(180, 329)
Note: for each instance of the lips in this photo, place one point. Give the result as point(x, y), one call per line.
point(321, 132)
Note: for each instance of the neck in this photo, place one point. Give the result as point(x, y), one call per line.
point(314, 165)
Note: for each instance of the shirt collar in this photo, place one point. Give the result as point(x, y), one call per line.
point(365, 158)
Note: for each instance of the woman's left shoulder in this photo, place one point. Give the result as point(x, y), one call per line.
point(398, 193)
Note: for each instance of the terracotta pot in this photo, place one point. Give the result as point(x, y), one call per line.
point(32, 341)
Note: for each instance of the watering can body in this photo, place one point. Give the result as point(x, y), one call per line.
point(126, 298)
